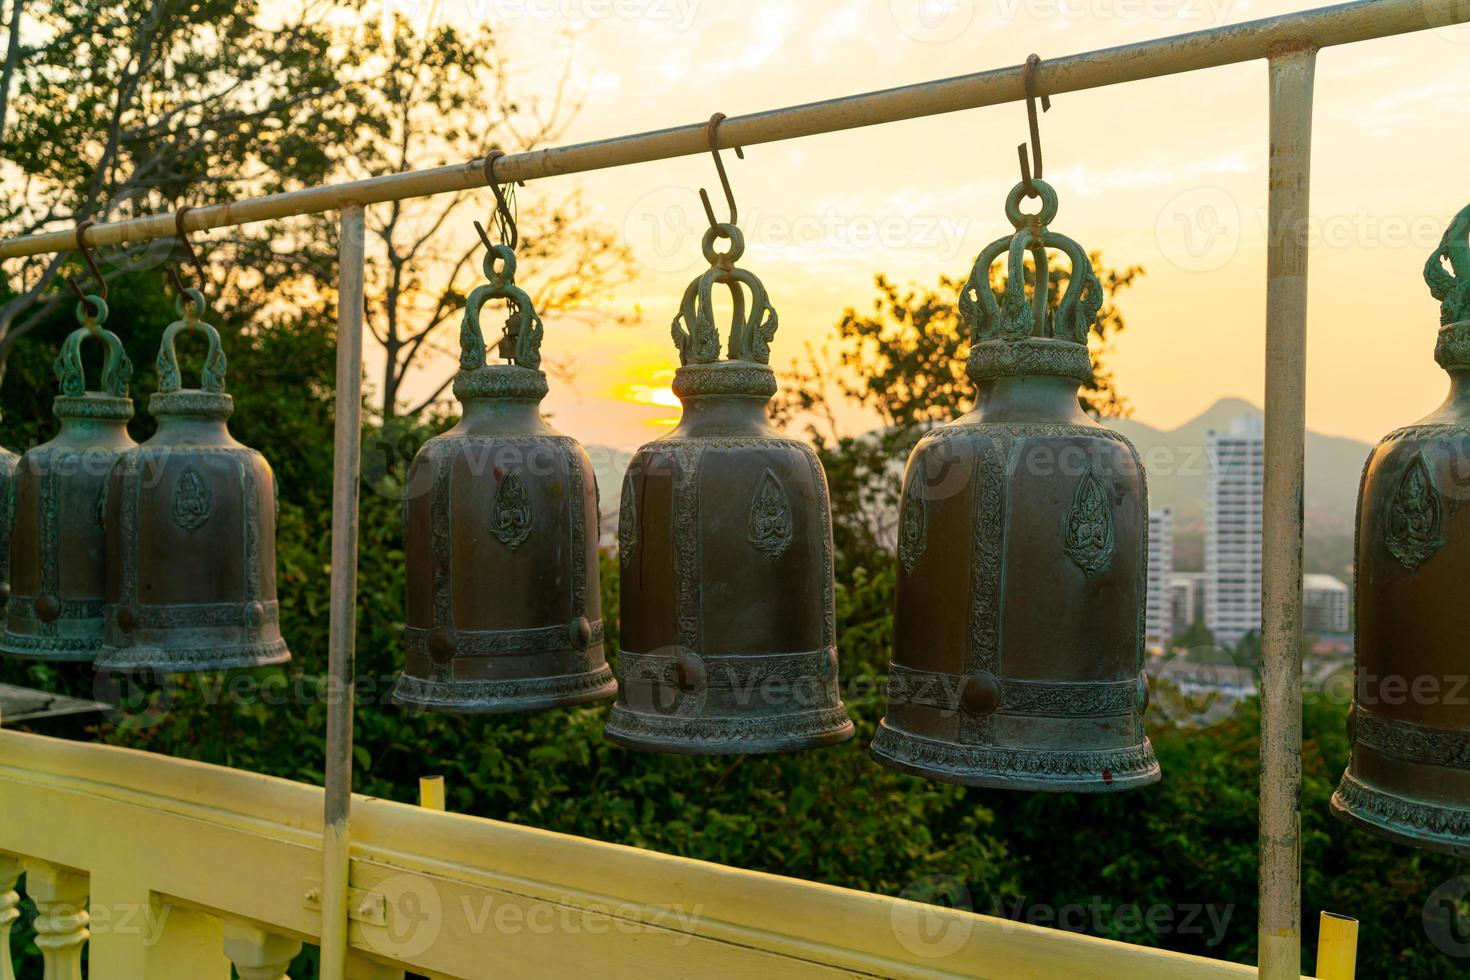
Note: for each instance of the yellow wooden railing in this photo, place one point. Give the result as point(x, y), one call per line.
point(173, 870)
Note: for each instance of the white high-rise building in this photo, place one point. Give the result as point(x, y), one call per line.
point(1188, 592)
point(1233, 496)
point(1325, 604)
point(1159, 615)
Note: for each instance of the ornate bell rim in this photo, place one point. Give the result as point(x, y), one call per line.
point(496, 697)
point(1032, 357)
point(191, 403)
point(1027, 770)
point(672, 735)
point(153, 659)
point(748, 378)
point(501, 382)
point(1443, 829)
point(92, 406)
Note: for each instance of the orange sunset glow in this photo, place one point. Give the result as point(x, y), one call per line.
point(1169, 174)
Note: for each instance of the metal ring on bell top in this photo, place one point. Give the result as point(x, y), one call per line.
point(737, 244)
point(507, 258)
point(1021, 219)
point(212, 378)
point(92, 321)
point(196, 299)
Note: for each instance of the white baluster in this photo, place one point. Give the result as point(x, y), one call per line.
point(257, 954)
point(10, 869)
point(61, 921)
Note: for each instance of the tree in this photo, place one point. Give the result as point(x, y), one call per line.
point(439, 99)
point(209, 104)
point(122, 105)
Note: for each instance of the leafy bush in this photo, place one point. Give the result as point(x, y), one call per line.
point(1187, 846)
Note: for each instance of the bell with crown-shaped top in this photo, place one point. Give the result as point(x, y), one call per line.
point(1018, 636)
point(725, 541)
point(500, 533)
point(57, 543)
point(8, 460)
point(1408, 777)
point(191, 530)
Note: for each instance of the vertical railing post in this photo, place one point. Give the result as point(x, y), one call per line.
point(1337, 947)
point(342, 629)
point(1291, 75)
point(62, 918)
point(10, 871)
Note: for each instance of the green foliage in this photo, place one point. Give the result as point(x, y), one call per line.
point(1171, 866)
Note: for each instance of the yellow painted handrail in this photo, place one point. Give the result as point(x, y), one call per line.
point(187, 861)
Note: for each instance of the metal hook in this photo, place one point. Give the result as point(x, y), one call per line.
point(188, 251)
point(86, 254)
point(505, 222)
point(709, 135)
point(1028, 80)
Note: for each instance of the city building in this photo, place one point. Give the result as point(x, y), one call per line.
point(1233, 496)
point(1159, 615)
point(1187, 599)
point(1325, 601)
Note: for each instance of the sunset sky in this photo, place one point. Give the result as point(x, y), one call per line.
point(1170, 174)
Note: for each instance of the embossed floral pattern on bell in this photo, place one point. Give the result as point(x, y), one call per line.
point(728, 632)
point(1090, 525)
point(1408, 778)
point(504, 611)
point(57, 570)
point(191, 529)
point(1018, 635)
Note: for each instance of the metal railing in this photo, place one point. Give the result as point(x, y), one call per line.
point(168, 869)
point(1288, 43)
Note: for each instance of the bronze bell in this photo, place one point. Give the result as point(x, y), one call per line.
point(8, 460)
point(191, 531)
point(1408, 778)
point(57, 540)
point(1018, 635)
point(504, 610)
point(725, 539)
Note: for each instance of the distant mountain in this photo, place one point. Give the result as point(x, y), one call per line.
point(1176, 466)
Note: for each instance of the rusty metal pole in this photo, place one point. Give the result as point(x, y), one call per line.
point(342, 629)
point(1291, 75)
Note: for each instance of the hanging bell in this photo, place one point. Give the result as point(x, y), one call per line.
point(1018, 634)
point(57, 542)
point(1408, 777)
point(8, 460)
point(725, 539)
point(191, 531)
point(504, 610)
